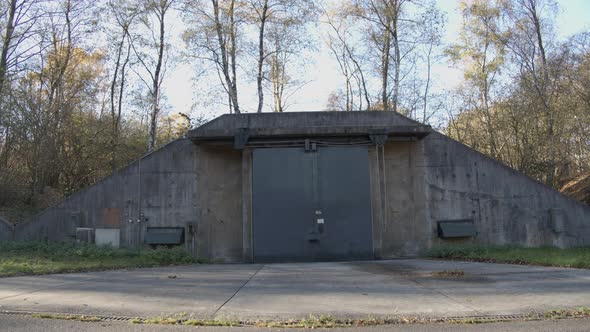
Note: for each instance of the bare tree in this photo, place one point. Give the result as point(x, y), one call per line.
point(16, 47)
point(529, 26)
point(213, 35)
point(393, 31)
point(263, 12)
point(17, 35)
point(287, 41)
point(152, 55)
point(384, 17)
point(339, 41)
point(280, 26)
point(124, 15)
point(482, 53)
point(434, 22)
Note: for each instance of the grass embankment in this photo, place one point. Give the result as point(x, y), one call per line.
point(545, 256)
point(31, 258)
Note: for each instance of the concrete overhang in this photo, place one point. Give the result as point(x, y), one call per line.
point(373, 125)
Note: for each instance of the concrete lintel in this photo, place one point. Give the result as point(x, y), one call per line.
point(199, 135)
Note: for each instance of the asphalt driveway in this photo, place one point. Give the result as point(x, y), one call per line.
point(410, 287)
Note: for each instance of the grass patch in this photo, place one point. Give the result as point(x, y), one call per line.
point(544, 256)
point(313, 322)
point(322, 321)
point(33, 258)
point(582, 312)
point(81, 318)
point(310, 322)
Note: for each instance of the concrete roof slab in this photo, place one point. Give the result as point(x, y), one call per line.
point(308, 124)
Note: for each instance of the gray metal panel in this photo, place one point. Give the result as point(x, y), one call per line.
point(311, 205)
point(345, 202)
point(281, 208)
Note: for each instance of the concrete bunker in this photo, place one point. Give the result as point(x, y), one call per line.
point(314, 186)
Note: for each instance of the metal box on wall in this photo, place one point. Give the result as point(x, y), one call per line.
point(164, 235)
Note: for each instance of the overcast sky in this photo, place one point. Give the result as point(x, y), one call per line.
point(323, 75)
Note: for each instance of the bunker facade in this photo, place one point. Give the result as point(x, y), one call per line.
point(313, 186)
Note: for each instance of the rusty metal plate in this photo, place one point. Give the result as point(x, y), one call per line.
point(111, 216)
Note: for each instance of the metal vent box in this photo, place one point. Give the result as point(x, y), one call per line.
point(456, 228)
point(164, 235)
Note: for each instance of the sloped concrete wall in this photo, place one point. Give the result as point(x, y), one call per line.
point(6, 230)
point(180, 183)
point(507, 206)
point(156, 190)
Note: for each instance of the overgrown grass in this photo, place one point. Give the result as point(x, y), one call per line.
point(545, 256)
point(31, 258)
point(81, 318)
point(311, 322)
point(322, 321)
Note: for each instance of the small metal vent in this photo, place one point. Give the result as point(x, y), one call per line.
point(164, 235)
point(456, 228)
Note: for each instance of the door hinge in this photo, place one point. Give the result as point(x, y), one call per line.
point(310, 146)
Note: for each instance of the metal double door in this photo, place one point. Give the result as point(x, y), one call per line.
point(311, 205)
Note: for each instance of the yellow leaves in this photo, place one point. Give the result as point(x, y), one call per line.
point(74, 64)
point(173, 126)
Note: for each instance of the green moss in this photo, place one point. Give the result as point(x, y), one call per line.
point(544, 256)
point(32, 258)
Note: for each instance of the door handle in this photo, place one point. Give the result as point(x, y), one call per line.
point(320, 225)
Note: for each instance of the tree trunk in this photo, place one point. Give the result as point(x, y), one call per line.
point(385, 69)
point(233, 47)
point(543, 91)
point(6, 45)
point(114, 119)
point(157, 79)
point(261, 55)
point(225, 66)
point(396, 79)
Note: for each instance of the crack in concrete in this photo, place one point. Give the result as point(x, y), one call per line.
point(237, 291)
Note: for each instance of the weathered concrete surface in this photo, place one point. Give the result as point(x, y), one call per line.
point(178, 184)
point(405, 230)
point(507, 206)
point(6, 230)
point(156, 190)
point(199, 289)
point(283, 291)
point(308, 124)
point(414, 184)
point(219, 202)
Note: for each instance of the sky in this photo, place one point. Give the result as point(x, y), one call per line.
point(322, 72)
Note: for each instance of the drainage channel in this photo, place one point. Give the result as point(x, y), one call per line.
point(59, 315)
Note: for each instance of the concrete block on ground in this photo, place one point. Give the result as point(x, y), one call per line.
point(107, 237)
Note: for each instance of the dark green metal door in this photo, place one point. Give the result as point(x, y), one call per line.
point(311, 205)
